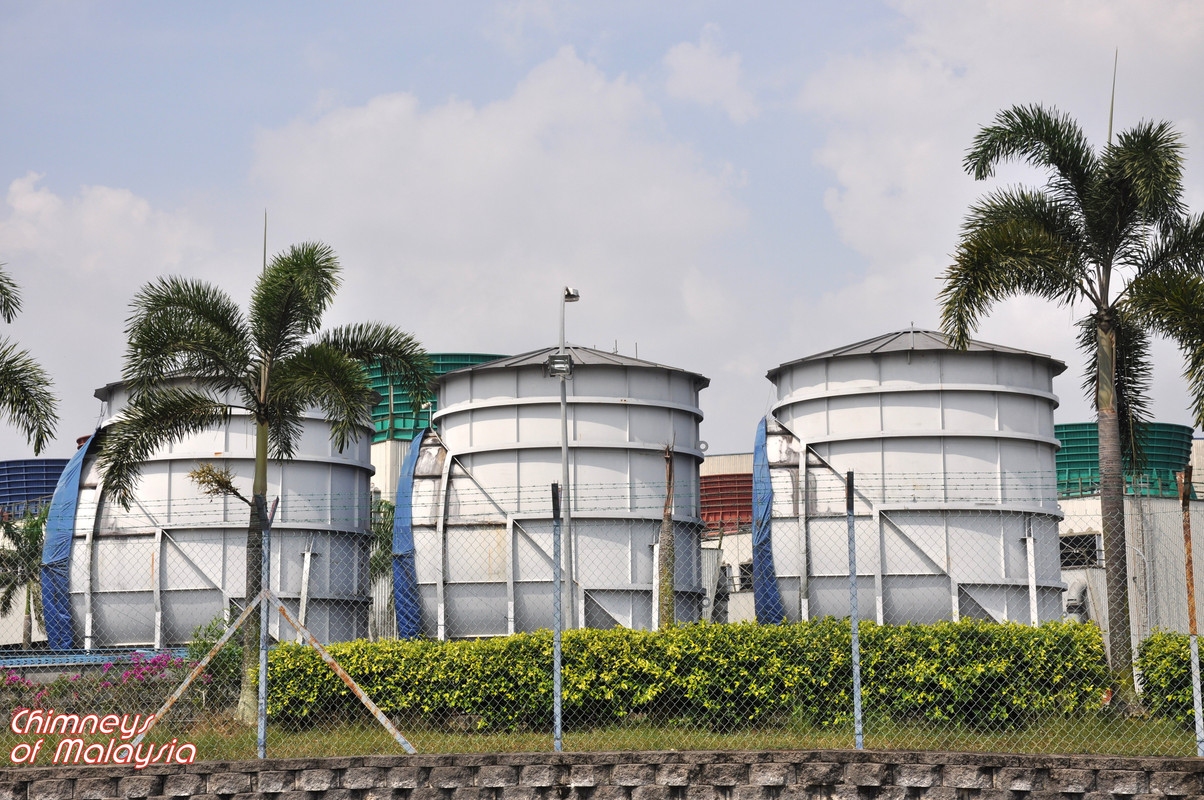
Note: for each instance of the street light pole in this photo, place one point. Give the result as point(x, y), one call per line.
point(561, 365)
point(569, 295)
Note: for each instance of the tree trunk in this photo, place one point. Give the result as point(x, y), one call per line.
point(248, 694)
point(667, 615)
point(27, 626)
point(1112, 516)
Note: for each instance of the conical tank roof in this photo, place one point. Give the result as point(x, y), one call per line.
point(582, 356)
point(913, 339)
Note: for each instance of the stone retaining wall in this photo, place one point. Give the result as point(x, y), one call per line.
point(727, 775)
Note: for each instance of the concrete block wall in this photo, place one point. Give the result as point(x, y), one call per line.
point(727, 775)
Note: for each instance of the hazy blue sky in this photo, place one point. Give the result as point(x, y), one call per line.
point(729, 185)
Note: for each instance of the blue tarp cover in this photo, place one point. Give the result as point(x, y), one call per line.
point(766, 596)
point(405, 582)
point(56, 553)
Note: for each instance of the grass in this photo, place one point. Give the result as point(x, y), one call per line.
point(218, 740)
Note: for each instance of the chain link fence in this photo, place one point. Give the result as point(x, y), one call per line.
point(980, 626)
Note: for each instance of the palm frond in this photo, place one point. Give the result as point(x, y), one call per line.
point(1178, 251)
point(10, 296)
point(1138, 191)
point(290, 298)
point(1131, 381)
point(20, 560)
point(7, 597)
point(1013, 243)
point(323, 376)
point(1145, 165)
point(25, 395)
point(185, 326)
point(154, 418)
point(1043, 138)
point(380, 560)
point(399, 355)
point(1172, 303)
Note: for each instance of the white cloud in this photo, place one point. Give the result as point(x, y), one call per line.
point(78, 260)
point(702, 73)
point(899, 121)
point(484, 211)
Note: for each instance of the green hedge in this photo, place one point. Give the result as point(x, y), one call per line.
point(1164, 659)
point(718, 676)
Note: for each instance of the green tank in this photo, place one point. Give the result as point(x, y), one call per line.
point(1167, 451)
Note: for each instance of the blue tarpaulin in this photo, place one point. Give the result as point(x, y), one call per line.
point(405, 581)
point(766, 596)
point(56, 553)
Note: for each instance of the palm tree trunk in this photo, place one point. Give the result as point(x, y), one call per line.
point(27, 627)
point(1112, 515)
point(248, 694)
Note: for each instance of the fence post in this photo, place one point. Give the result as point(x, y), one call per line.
point(858, 737)
point(1184, 480)
point(557, 623)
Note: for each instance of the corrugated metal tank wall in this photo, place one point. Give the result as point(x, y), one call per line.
point(956, 450)
point(148, 576)
point(483, 547)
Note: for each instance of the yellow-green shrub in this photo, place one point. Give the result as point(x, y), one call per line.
point(718, 676)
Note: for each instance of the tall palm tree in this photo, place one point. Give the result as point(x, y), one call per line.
point(21, 568)
point(272, 363)
point(1102, 221)
point(25, 388)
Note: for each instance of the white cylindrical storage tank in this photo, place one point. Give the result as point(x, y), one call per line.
point(176, 559)
point(953, 454)
point(483, 536)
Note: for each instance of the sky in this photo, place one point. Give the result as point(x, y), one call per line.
point(729, 186)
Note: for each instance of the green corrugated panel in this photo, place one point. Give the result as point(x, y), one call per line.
point(1167, 451)
point(400, 422)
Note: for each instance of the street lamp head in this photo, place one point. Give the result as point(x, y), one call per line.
point(571, 295)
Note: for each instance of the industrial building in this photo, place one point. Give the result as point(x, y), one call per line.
point(26, 485)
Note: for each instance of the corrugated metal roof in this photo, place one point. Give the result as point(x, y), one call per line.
point(582, 356)
point(726, 464)
point(912, 339)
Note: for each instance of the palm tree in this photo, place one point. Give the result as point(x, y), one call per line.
point(1100, 223)
point(272, 363)
point(25, 396)
point(380, 562)
point(20, 568)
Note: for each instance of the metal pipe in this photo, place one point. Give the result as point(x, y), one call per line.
point(557, 623)
point(312, 641)
point(858, 736)
point(567, 295)
point(197, 669)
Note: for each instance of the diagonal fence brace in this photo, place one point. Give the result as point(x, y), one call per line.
point(198, 669)
point(381, 717)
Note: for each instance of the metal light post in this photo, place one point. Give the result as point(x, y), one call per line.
point(561, 365)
